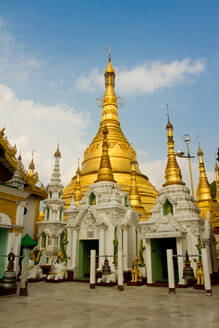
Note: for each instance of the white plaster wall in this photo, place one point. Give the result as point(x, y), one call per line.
point(29, 217)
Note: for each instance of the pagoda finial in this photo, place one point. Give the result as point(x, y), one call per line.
point(203, 191)
point(31, 166)
point(109, 99)
point(172, 173)
point(105, 170)
point(57, 153)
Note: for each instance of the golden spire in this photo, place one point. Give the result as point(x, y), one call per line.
point(78, 193)
point(31, 166)
point(203, 191)
point(134, 197)
point(217, 181)
point(172, 173)
point(105, 170)
point(57, 153)
point(133, 193)
point(109, 99)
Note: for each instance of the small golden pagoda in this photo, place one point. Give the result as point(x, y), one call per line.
point(172, 173)
point(120, 153)
point(203, 192)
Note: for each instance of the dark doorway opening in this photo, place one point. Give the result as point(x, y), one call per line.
point(159, 248)
point(85, 246)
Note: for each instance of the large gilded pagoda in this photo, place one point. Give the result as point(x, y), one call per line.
point(122, 158)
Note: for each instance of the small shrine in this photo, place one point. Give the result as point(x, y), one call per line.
point(103, 220)
point(175, 224)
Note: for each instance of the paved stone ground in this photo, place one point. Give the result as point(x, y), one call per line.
point(74, 305)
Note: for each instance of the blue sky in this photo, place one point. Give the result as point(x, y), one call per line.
point(52, 59)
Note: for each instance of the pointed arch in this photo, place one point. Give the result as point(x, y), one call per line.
point(92, 199)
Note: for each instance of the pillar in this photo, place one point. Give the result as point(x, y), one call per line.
point(208, 247)
point(120, 270)
point(74, 251)
point(148, 262)
point(125, 247)
point(207, 278)
point(180, 262)
point(92, 268)
point(101, 248)
point(170, 268)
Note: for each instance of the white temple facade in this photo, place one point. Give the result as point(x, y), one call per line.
point(51, 229)
point(102, 221)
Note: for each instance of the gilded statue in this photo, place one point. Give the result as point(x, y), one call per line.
point(136, 274)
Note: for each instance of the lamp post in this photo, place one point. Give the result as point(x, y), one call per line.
point(189, 156)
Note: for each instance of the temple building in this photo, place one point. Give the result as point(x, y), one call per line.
point(102, 220)
point(20, 198)
point(175, 224)
point(122, 158)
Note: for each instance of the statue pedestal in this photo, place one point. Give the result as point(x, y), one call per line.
point(9, 283)
point(135, 283)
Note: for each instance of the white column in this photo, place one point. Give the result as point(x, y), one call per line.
point(208, 247)
point(148, 261)
point(125, 248)
point(134, 249)
point(74, 250)
point(101, 248)
point(109, 245)
point(207, 278)
point(170, 268)
point(92, 268)
point(180, 262)
point(120, 270)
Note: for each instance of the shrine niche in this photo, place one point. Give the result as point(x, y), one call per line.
point(92, 199)
point(167, 208)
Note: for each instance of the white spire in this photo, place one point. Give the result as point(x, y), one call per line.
point(56, 176)
point(16, 179)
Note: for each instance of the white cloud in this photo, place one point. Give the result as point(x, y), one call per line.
point(40, 128)
point(155, 171)
point(145, 78)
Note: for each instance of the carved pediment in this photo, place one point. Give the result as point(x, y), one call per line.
point(165, 226)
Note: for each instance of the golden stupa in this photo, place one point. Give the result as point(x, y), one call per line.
point(121, 155)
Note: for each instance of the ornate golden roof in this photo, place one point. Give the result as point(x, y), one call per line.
point(203, 191)
point(105, 170)
point(172, 173)
point(119, 150)
point(10, 156)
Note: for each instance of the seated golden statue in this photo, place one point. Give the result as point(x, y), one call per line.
point(136, 274)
